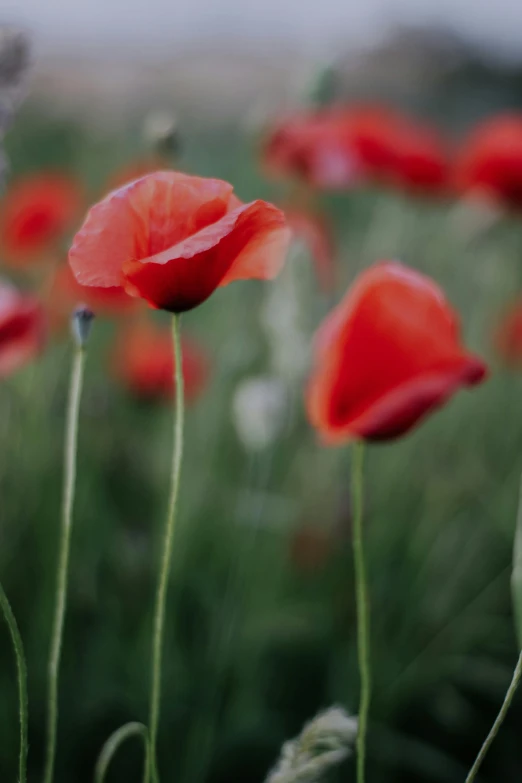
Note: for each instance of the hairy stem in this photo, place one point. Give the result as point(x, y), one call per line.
point(166, 556)
point(71, 440)
point(21, 671)
point(517, 675)
point(363, 612)
point(113, 744)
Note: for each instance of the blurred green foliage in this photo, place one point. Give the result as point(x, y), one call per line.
point(258, 640)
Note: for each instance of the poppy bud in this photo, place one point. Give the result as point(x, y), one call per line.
point(81, 323)
point(162, 133)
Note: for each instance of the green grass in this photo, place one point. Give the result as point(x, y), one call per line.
point(255, 645)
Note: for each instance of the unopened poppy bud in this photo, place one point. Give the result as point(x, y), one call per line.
point(81, 323)
point(161, 132)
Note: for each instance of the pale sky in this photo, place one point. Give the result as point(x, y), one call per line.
point(318, 25)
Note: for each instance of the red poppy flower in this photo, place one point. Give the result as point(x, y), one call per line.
point(387, 356)
point(314, 232)
point(509, 336)
point(371, 133)
point(172, 239)
point(490, 163)
point(420, 161)
point(143, 361)
point(35, 214)
point(313, 147)
point(66, 293)
point(343, 146)
point(22, 329)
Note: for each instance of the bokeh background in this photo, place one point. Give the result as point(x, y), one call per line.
point(261, 627)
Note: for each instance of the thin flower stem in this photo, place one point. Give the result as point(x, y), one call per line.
point(21, 670)
point(113, 744)
point(71, 439)
point(363, 614)
point(517, 676)
point(163, 580)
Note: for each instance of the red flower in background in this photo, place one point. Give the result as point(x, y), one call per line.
point(36, 212)
point(508, 339)
point(66, 293)
point(313, 230)
point(312, 147)
point(172, 239)
point(22, 329)
point(387, 356)
point(371, 133)
point(143, 361)
point(341, 147)
point(420, 162)
point(394, 149)
point(490, 162)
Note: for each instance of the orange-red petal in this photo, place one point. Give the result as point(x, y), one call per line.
point(142, 219)
point(249, 242)
point(387, 356)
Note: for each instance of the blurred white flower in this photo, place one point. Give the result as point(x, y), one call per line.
point(259, 407)
point(323, 743)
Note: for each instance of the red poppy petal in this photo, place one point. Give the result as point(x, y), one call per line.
point(142, 219)
point(248, 242)
point(386, 356)
point(400, 410)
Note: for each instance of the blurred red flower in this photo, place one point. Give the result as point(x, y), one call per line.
point(387, 356)
point(22, 329)
point(508, 339)
point(314, 231)
point(420, 162)
point(490, 161)
point(341, 147)
point(312, 147)
point(66, 293)
point(143, 361)
point(172, 239)
point(36, 212)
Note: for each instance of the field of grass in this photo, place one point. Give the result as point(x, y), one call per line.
point(261, 625)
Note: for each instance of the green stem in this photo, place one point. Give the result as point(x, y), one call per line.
point(113, 744)
point(163, 580)
point(363, 614)
point(22, 681)
point(71, 439)
point(517, 676)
